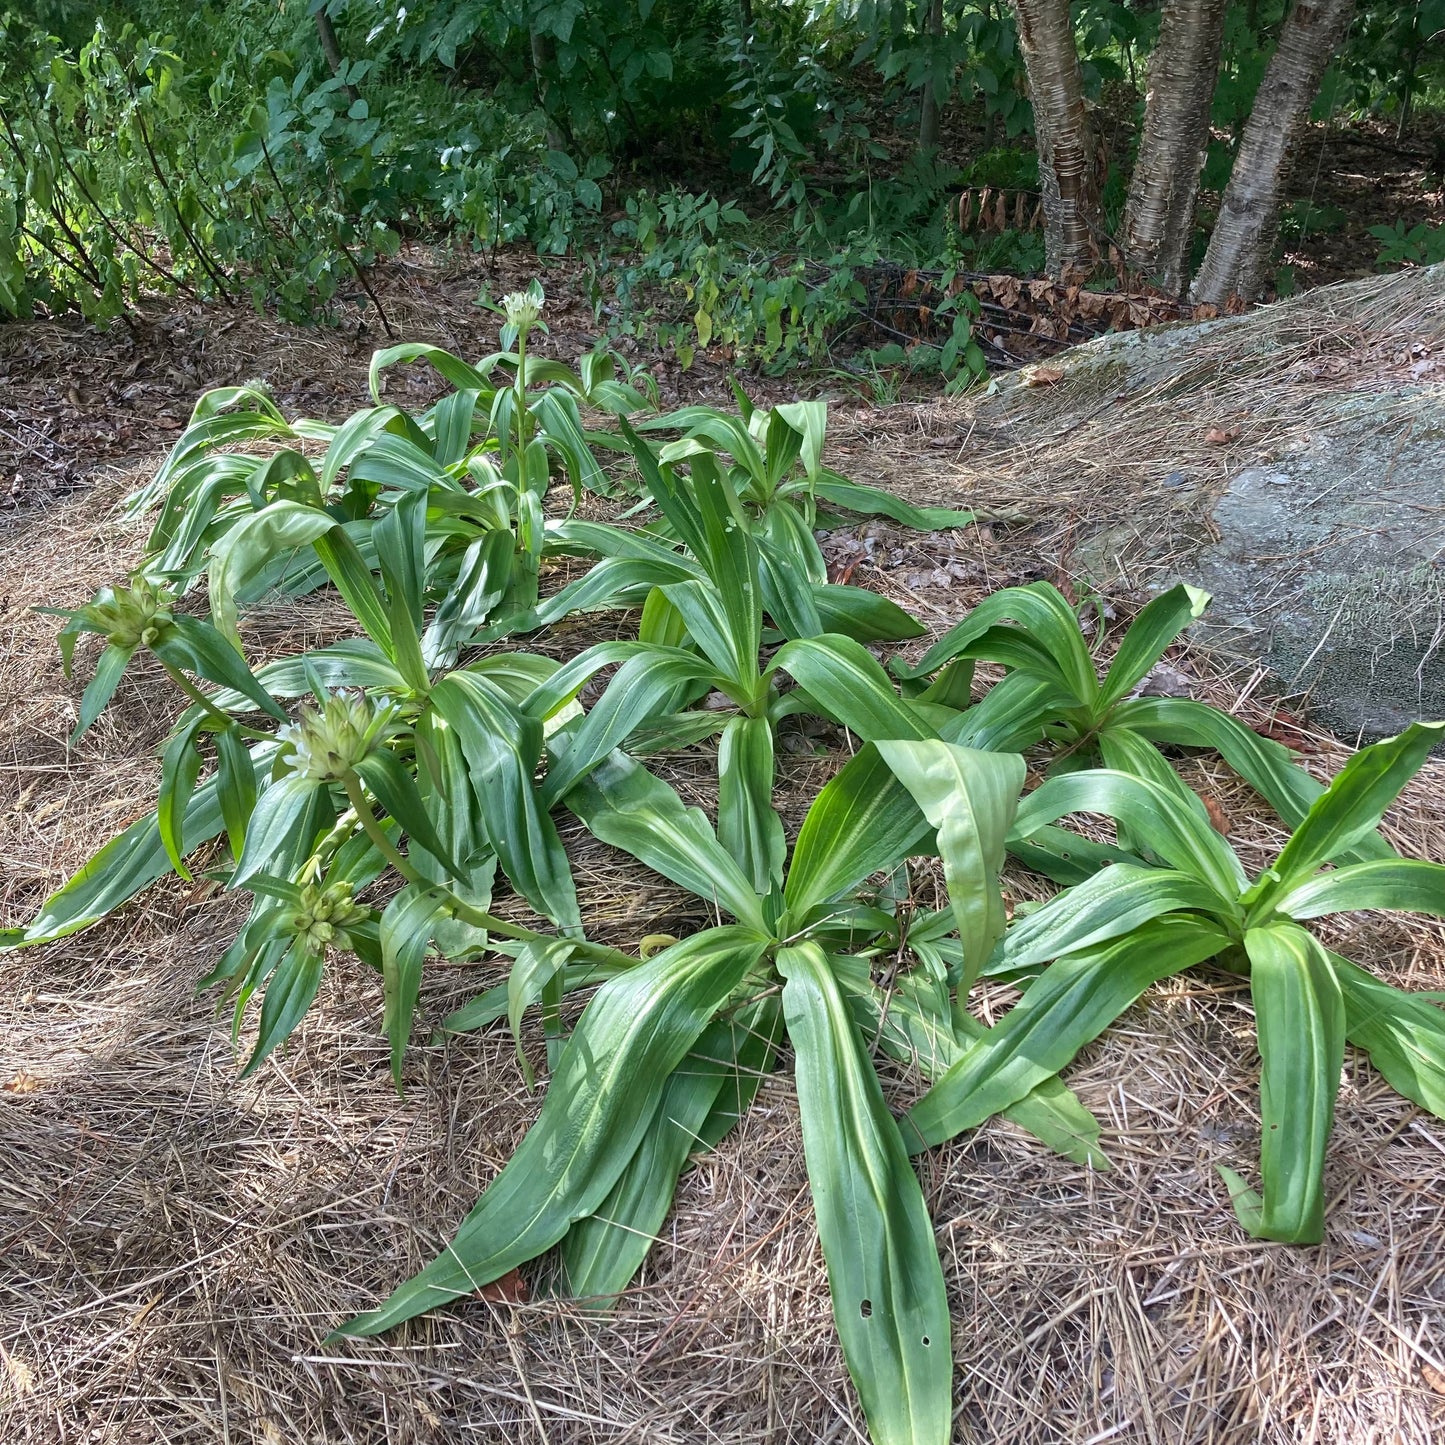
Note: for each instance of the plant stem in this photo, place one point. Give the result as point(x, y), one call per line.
point(521, 393)
point(462, 911)
point(198, 697)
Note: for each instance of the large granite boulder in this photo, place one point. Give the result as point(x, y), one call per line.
point(1330, 566)
point(1291, 461)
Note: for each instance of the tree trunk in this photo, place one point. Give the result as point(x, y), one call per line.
point(1242, 245)
point(331, 48)
point(1065, 139)
point(928, 120)
point(1159, 218)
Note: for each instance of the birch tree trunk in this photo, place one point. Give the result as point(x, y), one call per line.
point(1067, 178)
point(1242, 245)
point(1159, 216)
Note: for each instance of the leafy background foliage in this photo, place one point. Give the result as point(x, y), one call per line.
point(730, 169)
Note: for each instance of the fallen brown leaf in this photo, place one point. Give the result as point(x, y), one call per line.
point(1217, 816)
point(1045, 376)
point(22, 1083)
point(1218, 436)
point(511, 1289)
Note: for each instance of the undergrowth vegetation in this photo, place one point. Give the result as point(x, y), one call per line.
point(386, 793)
point(730, 172)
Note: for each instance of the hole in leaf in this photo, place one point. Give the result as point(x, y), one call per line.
point(1065, 855)
point(866, 1309)
point(925, 1342)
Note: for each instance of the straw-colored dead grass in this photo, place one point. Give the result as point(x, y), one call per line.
point(174, 1245)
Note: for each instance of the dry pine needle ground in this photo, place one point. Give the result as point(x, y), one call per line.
point(174, 1245)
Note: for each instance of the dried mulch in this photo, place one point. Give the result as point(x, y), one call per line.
point(175, 1244)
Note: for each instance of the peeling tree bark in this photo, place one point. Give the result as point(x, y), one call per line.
point(1159, 217)
point(1242, 245)
point(1072, 222)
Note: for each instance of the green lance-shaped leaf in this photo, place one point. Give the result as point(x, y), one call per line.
point(846, 680)
point(482, 581)
point(809, 419)
point(729, 555)
point(1300, 1016)
point(914, 1023)
point(446, 791)
point(245, 550)
point(535, 975)
point(716, 1080)
point(1150, 633)
point(393, 786)
point(1351, 807)
point(352, 662)
point(1069, 1005)
point(1155, 817)
point(285, 812)
point(1265, 765)
point(862, 822)
point(180, 766)
point(1398, 885)
point(493, 1003)
point(867, 501)
point(400, 540)
point(788, 595)
point(970, 798)
point(863, 615)
point(235, 786)
point(362, 434)
point(406, 931)
point(1013, 714)
point(631, 1037)
point(196, 645)
point(451, 422)
point(614, 582)
point(705, 615)
point(1066, 857)
point(1403, 1034)
point(359, 589)
point(748, 826)
point(634, 697)
point(791, 538)
point(1109, 904)
point(502, 746)
point(625, 805)
point(101, 688)
point(1126, 751)
point(1045, 621)
point(889, 1301)
point(448, 366)
point(290, 991)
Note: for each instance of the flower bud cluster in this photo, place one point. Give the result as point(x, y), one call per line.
point(324, 914)
point(328, 742)
point(134, 616)
point(523, 309)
